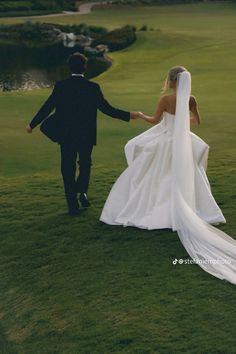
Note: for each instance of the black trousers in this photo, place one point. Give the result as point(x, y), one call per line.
point(70, 151)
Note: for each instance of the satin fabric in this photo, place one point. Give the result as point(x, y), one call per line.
point(165, 186)
point(142, 194)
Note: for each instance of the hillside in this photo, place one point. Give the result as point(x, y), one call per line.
point(76, 286)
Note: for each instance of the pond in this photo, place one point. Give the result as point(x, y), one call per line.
point(24, 66)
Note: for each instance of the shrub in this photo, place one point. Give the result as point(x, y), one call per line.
point(117, 39)
point(143, 28)
point(36, 5)
point(28, 31)
point(45, 5)
point(91, 31)
point(45, 31)
point(7, 6)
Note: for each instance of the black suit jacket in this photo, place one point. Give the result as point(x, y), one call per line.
point(76, 101)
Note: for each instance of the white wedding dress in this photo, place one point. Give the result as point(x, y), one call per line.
point(165, 186)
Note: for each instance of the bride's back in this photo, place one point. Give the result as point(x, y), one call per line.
point(170, 103)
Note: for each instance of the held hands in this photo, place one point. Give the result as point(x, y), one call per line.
point(141, 115)
point(29, 129)
point(149, 119)
point(136, 115)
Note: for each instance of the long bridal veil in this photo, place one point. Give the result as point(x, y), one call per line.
point(212, 249)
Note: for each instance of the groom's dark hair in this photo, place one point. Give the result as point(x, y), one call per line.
point(77, 63)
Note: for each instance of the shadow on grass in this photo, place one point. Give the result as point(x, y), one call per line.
point(6, 347)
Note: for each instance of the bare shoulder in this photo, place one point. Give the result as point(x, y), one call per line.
point(165, 99)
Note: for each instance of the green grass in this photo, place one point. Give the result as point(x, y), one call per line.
point(72, 286)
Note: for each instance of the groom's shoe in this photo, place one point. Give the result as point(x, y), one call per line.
point(73, 205)
point(84, 200)
point(74, 212)
point(74, 209)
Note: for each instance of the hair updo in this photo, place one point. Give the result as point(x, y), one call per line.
point(173, 75)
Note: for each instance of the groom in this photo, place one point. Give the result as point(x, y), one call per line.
point(76, 101)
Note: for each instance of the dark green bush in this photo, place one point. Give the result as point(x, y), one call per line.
point(144, 28)
point(45, 31)
point(36, 5)
point(91, 31)
point(157, 2)
point(117, 39)
point(7, 6)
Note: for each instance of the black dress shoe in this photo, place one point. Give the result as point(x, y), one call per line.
point(84, 200)
point(74, 212)
point(73, 205)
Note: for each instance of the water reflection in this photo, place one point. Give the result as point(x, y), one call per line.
point(28, 67)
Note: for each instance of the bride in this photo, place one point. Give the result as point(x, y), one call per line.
point(165, 184)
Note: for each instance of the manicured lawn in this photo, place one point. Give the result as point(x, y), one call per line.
point(76, 286)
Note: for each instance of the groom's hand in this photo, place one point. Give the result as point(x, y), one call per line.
point(134, 115)
point(29, 129)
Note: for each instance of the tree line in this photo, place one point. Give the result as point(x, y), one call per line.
point(36, 5)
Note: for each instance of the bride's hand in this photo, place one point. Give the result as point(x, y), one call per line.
point(134, 115)
point(141, 115)
point(145, 117)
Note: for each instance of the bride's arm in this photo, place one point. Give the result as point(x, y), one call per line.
point(195, 117)
point(156, 118)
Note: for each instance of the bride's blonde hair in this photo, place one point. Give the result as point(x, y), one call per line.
point(172, 76)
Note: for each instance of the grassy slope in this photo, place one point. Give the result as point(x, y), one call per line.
point(76, 286)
